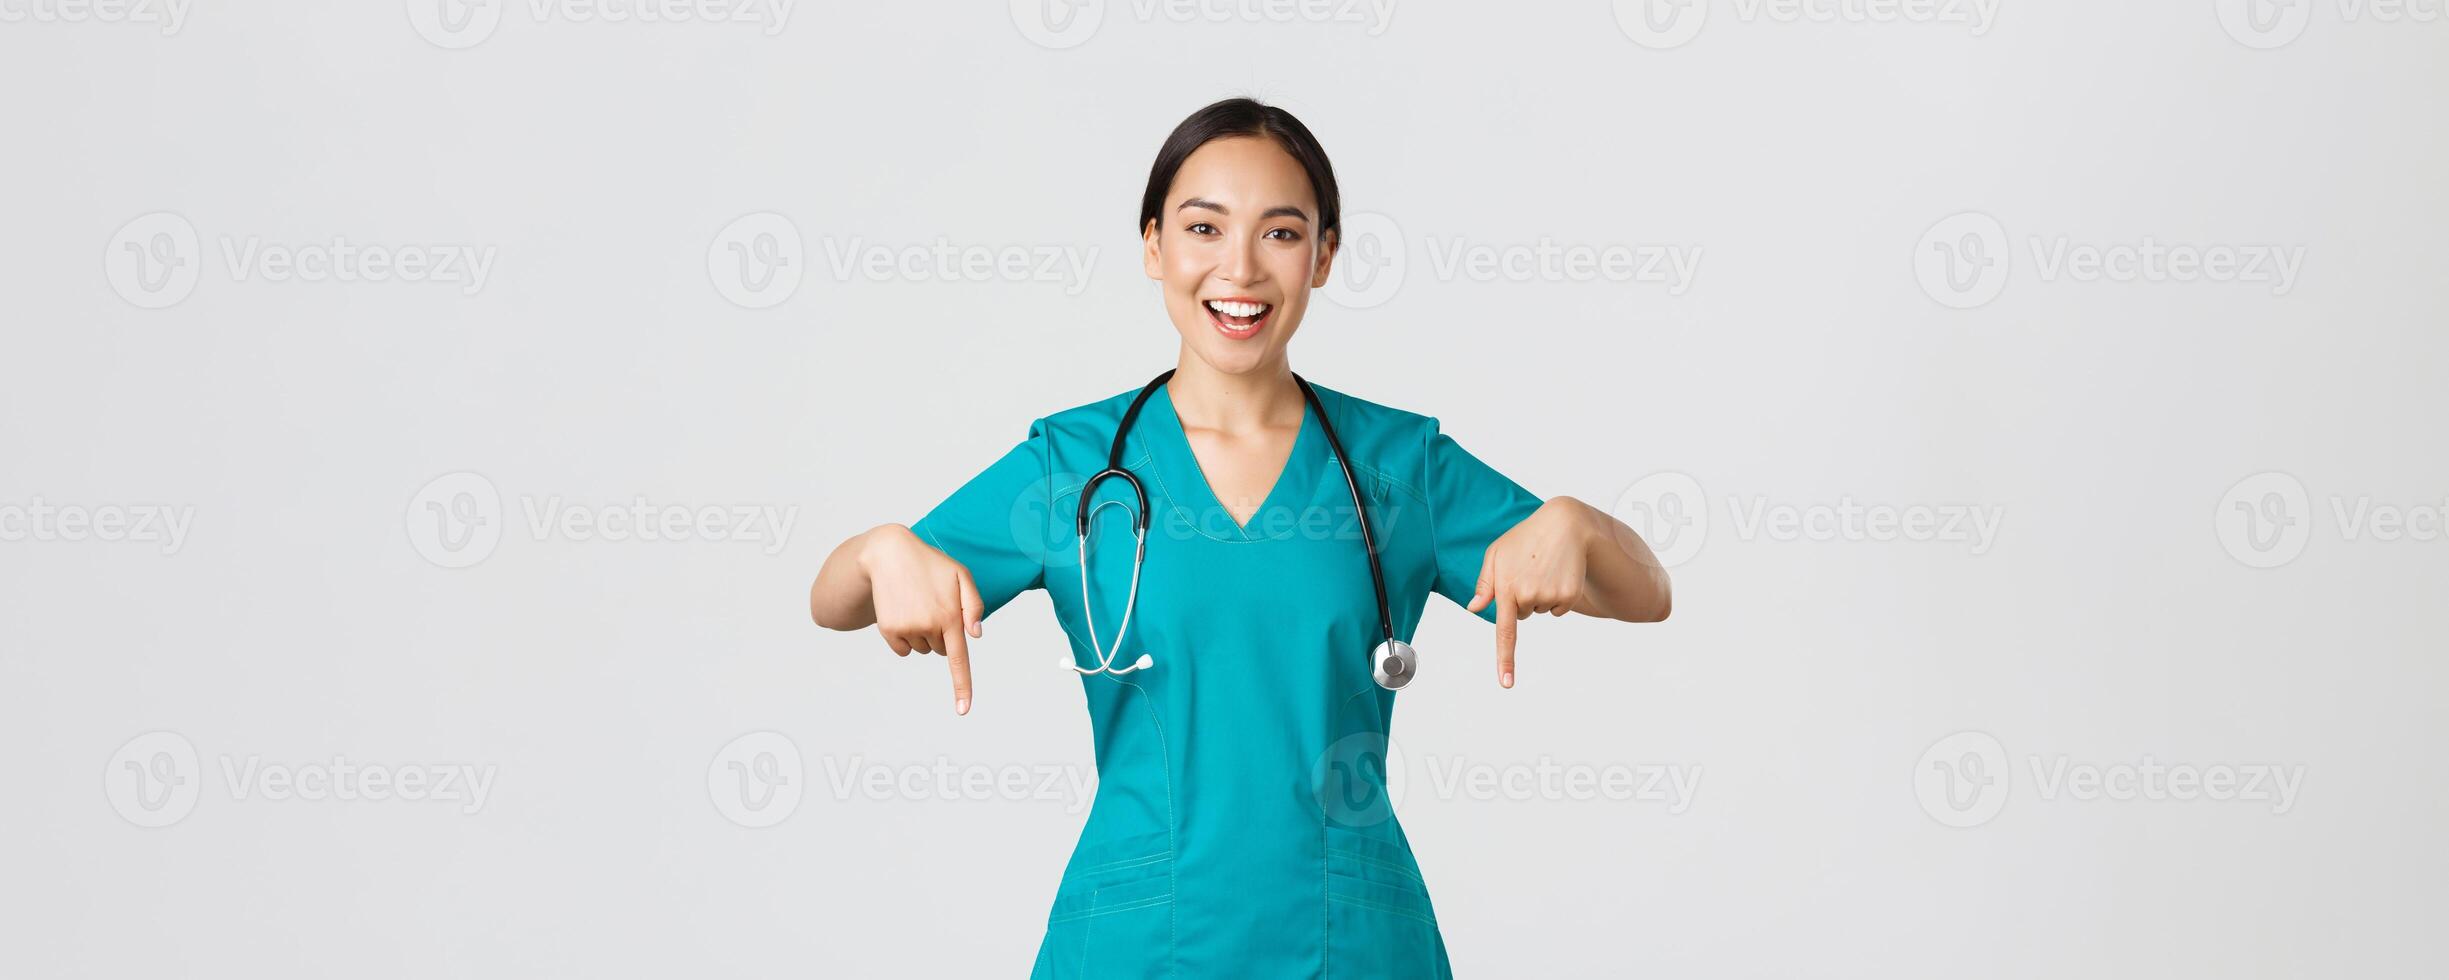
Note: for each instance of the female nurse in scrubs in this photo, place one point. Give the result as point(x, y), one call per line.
point(1240, 827)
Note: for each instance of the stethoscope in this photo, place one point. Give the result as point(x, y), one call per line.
point(1392, 661)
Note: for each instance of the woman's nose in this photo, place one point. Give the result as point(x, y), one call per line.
point(1239, 262)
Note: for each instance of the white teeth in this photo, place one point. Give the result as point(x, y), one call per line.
point(1230, 308)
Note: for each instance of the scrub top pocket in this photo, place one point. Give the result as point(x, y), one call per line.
point(1114, 915)
point(1379, 921)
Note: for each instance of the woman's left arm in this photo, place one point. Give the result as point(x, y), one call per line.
point(1568, 556)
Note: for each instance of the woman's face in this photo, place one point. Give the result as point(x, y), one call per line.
point(1237, 251)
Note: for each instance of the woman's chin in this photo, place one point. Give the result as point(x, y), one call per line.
point(1229, 357)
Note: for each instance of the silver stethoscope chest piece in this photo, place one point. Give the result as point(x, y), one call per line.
point(1392, 662)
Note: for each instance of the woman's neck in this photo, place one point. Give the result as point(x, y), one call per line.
point(1234, 404)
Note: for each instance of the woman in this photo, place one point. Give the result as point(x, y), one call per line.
point(1240, 826)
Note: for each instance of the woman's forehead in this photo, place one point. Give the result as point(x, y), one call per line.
point(1243, 172)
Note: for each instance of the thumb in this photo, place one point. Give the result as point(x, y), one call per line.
point(972, 607)
point(1484, 591)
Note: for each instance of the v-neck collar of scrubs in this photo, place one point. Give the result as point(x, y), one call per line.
point(1181, 473)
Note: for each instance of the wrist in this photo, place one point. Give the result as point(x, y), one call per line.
point(873, 542)
point(1580, 519)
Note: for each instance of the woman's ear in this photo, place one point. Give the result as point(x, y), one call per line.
point(1151, 258)
point(1327, 244)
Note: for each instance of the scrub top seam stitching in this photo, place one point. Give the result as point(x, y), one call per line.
point(1428, 449)
point(1173, 841)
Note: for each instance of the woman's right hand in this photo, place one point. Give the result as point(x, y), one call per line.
point(924, 601)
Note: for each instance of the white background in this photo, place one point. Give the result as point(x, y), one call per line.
point(2125, 611)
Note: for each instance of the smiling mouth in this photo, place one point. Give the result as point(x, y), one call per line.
point(1237, 319)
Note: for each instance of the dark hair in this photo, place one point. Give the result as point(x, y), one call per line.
point(1243, 117)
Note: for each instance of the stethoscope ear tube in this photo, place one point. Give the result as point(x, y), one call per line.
point(1377, 575)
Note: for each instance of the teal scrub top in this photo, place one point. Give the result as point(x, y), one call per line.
point(1241, 826)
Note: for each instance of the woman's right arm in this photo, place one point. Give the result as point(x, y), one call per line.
point(916, 596)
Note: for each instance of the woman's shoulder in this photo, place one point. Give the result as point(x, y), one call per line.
point(1365, 413)
point(1099, 415)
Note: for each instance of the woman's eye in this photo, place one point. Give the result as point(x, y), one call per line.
point(1289, 234)
point(1202, 228)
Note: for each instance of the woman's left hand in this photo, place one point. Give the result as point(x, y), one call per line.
point(1545, 565)
point(1536, 567)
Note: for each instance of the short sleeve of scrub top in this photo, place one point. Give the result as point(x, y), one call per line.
point(995, 523)
point(1470, 506)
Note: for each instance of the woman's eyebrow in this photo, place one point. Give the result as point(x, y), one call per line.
point(1280, 210)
